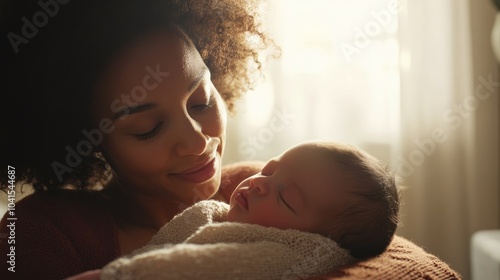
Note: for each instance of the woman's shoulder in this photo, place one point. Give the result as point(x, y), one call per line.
point(59, 233)
point(63, 203)
point(56, 198)
point(67, 209)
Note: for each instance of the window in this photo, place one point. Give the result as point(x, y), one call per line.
point(337, 79)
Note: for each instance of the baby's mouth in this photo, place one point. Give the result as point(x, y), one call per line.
point(241, 199)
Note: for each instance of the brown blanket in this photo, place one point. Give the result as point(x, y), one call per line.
point(402, 260)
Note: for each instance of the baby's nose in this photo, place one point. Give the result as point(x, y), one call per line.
point(260, 185)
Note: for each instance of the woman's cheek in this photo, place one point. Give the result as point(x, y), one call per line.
point(222, 115)
point(135, 155)
point(153, 156)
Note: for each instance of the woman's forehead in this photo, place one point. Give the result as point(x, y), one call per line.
point(166, 49)
point(163, 58)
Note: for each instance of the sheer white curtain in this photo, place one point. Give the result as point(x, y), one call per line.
point(413, 82)
point(337, 79)
point(449, 116)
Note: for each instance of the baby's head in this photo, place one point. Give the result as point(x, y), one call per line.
point(327, 188)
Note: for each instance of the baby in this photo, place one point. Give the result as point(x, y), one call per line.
point(332, 189)
point(317, 206)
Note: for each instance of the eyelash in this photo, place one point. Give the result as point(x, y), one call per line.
point(287, 205)
point(205, 107)
point(156, 129)
point(149, 134)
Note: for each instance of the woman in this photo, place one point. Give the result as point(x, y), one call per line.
point(127, 95)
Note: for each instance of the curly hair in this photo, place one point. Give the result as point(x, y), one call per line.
point(55, 51)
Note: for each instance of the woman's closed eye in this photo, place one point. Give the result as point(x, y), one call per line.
point(204, 106)
point(150, 134)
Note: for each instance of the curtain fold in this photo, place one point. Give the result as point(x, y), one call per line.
point(449, 117)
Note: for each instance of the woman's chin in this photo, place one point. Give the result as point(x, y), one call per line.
point(207, 190)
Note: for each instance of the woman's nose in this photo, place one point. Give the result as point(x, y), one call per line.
point(190, 138)
point(260, 185)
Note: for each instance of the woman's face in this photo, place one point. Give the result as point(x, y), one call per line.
point(166, 120)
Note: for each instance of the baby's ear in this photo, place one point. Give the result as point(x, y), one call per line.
point(233, 174)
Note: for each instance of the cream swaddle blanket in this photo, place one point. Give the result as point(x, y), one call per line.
point(197, 244)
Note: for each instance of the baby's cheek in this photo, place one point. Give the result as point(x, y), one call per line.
point(267, 218)
point(233, 215)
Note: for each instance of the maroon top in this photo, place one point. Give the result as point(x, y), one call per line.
point(58, 234)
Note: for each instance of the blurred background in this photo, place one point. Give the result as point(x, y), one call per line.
point(415, 83)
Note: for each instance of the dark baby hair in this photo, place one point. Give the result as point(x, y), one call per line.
point(367, 224)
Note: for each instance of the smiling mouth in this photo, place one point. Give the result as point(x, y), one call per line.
point(199, 174)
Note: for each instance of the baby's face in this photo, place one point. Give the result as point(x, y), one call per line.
point(291, 191)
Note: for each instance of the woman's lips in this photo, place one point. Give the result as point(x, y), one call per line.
point(199, 174)
point(241, 199)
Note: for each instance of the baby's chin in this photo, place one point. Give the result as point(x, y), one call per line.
point(233, 215)
point(230, 214)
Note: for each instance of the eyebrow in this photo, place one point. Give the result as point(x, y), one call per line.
point(134, 110)
point(198, 80)
point(150, 106)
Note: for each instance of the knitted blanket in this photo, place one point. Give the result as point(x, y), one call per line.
point(224, 250)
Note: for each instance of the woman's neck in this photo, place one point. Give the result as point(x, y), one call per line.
point(138, 217)
point(140, 210)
